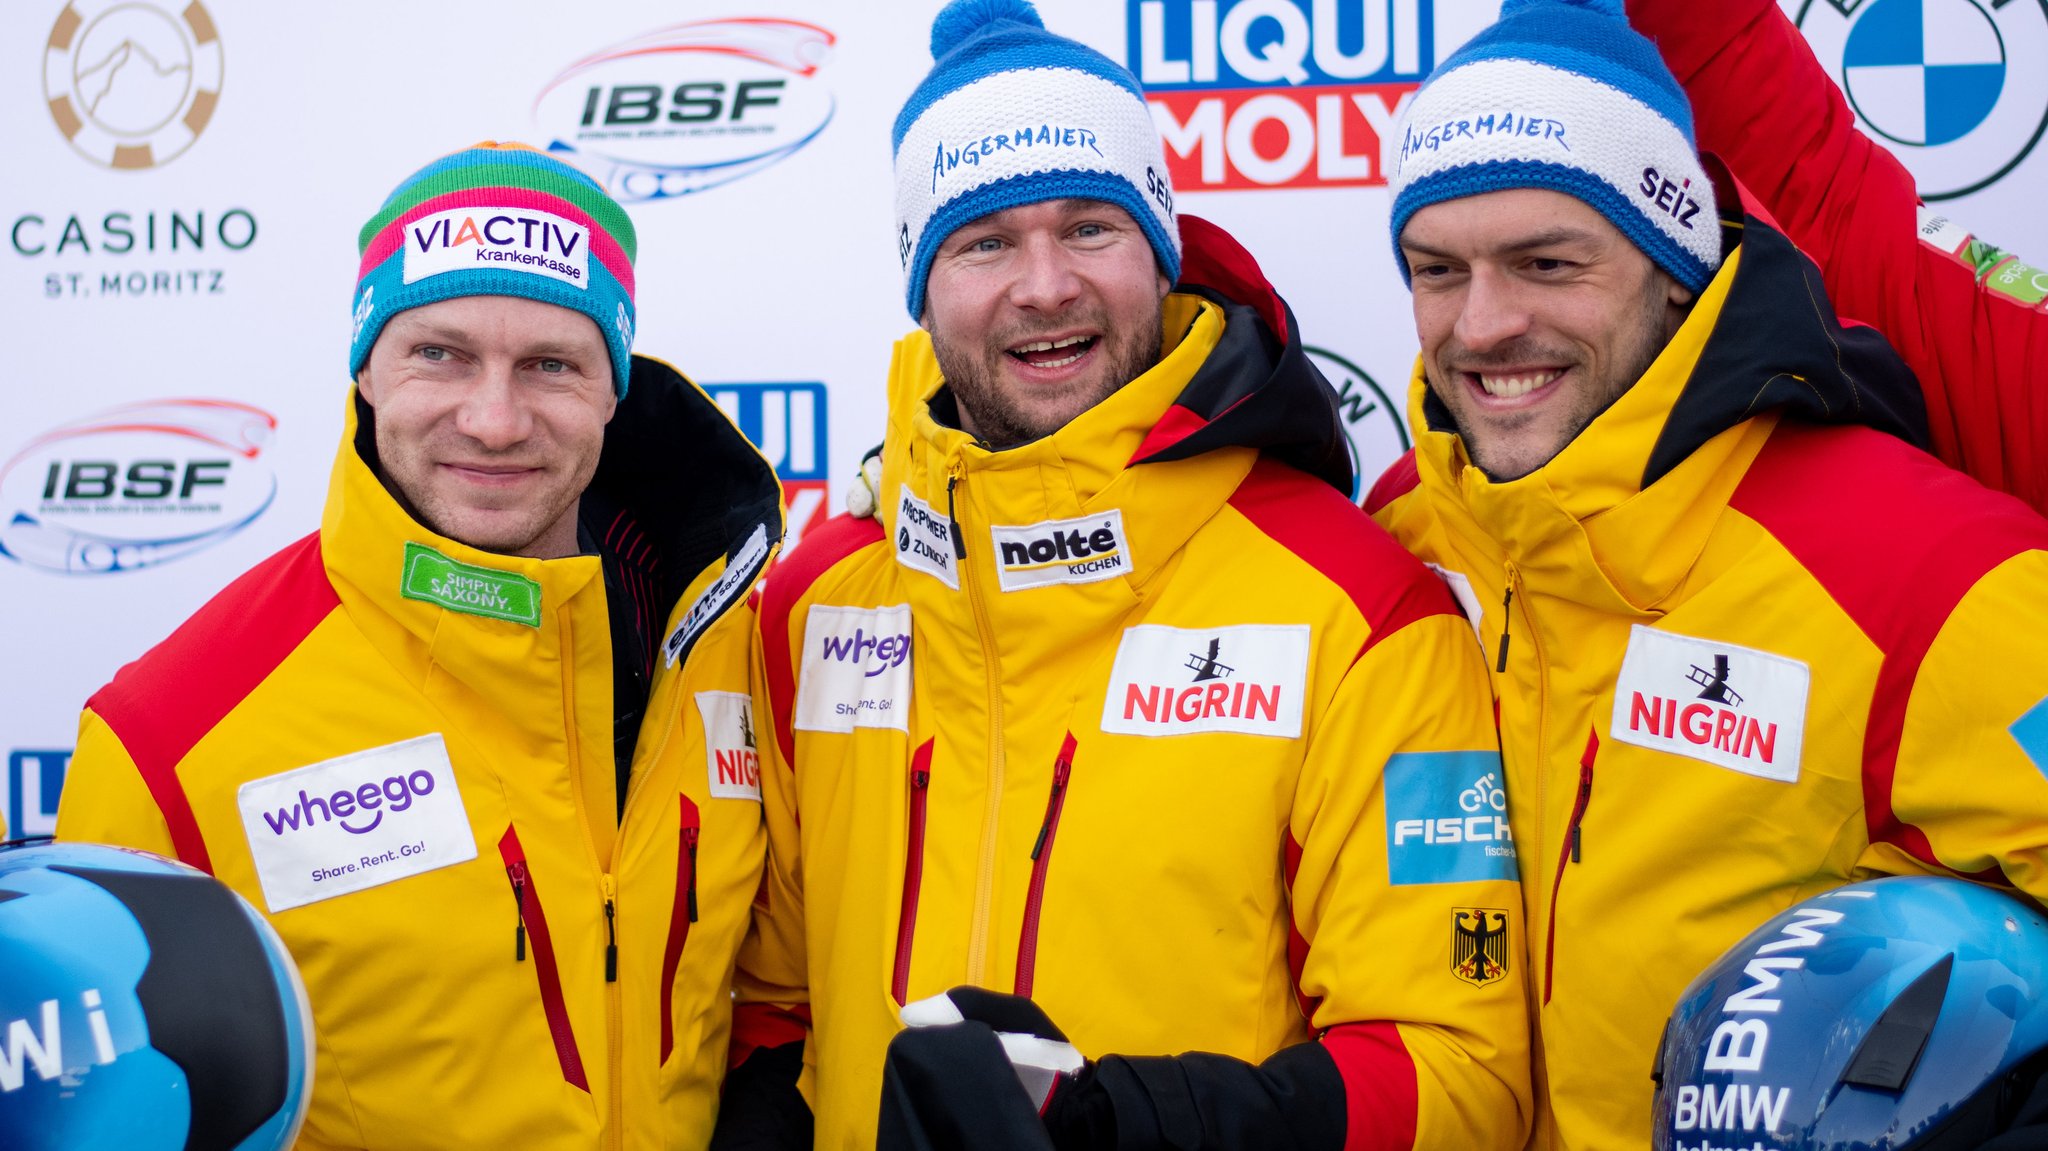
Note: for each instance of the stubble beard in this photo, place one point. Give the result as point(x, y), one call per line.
point(1000, 420)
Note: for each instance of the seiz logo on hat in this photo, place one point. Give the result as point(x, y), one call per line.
point(1180, 681)
point(512, 239)
point(1072, 551)
point(1734, 707)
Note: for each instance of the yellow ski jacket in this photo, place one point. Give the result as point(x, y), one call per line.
point(400, 748)
point(1741, 658)
point(1149, 726)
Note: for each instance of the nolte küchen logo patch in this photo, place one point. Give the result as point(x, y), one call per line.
point(1479, 944)
point(1081, 550)
point(1180, 681)
point(131, 85)
point(1734, 707)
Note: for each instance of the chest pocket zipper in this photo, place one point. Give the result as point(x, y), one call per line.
point(533, 925)
point(1571, 852)
point(913, 870)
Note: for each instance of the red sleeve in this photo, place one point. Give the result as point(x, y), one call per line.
point(1764, 104)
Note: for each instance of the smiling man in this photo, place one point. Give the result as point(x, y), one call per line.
point(1119, 706)
point(463, 744)
point(1748, 643)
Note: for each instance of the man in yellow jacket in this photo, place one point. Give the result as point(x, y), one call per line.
point(1117, 706)
point(1748, 642)
point(481, 747)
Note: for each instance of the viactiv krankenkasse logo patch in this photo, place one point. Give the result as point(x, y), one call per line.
point(136, 485)
point(132, 85)
point(1956, 89)
point(690, 106)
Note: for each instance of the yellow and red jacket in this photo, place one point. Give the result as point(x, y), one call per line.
point(400, 748)
point(1741, 657)
point(1145, 724)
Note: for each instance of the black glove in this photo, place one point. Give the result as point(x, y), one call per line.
point(973, 1068)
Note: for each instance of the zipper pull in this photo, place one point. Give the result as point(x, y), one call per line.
point(1061, 768)
point(611, 937)
point(1500, 664)
point(517, 871)
point(690, 842)
point(1585, 791)
point(953, 481)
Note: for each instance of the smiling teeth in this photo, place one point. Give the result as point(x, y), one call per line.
point(1047, 346)
point(1508, 387)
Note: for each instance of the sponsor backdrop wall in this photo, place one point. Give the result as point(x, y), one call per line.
point(183, 183)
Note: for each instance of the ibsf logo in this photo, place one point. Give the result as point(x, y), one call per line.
point(135, 486)
point(1955, 88)
point(1373, 428)
point(34, 780)
point(366, 804)
point(1279, 93)
point(130, 85)
point(688, 107)
point(788, 423)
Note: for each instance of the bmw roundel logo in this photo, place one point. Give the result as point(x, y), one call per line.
point(1954, 88)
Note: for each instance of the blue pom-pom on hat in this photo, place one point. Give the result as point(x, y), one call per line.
point(964, 19)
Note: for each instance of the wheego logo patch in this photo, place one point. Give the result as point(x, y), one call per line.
point(355, 822)
point(856, 669)
point(517, 239)
point(136, 485)
point(1180, 681)
point(1447, 818)
point(924, 540)
point(1072, 551)
point(1734, 707)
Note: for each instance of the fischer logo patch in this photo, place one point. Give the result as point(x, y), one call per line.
point(730, 754)
point(431, 577)
point(1082, 550)
point(1447, 818)
point(513, 239)
point(855, 670)
point(1181, 681)
point(356, 822)
point(924, 540)
point(1734, 707)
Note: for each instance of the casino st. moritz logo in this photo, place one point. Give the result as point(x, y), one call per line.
point(136, 485)
point(689, 107)
point(1373, 427)
point(1956, 89)
point(131, 85)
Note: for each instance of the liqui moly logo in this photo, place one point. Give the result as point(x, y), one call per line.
point(856, 669)
point(1182, 681)
point(1281, 93)
point(515, 239)
point(348, 824)
point(1731, 706)
point(790, 424)
point(365, 804)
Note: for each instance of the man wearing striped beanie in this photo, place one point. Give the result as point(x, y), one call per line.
point(1105, 719)
point(480, 745)
point(1748, 643)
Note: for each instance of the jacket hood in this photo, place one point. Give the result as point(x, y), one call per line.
point(1257, 389)
point(672, 459)
point(1774, 343)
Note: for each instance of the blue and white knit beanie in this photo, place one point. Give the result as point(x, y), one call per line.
point(1011, 115)
point(1564, 95)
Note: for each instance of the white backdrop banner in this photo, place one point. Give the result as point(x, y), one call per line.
point(183, 187)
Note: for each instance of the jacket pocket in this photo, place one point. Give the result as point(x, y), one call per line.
point(681, 915)
point(1041, 862)
point(913, 870)
point(533, 926)
point(1569, 853)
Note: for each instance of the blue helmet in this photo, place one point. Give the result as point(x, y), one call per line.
point(1897, 1013)
point(143, 1006)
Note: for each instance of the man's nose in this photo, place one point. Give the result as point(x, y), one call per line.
point(1493, 312)
point(1047, 280)
point(493, 412)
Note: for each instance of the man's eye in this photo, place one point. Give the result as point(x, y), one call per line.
point(553, 367)
point(986, 244)
point(1549, 264)
point(430, 352)
point(1090, 229)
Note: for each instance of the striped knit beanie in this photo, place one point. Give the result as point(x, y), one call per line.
point(1012, 115)
point(1564, 95)
point(498, 220)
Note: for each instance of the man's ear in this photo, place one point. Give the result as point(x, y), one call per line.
point(363, 388)
point(1165, 285)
